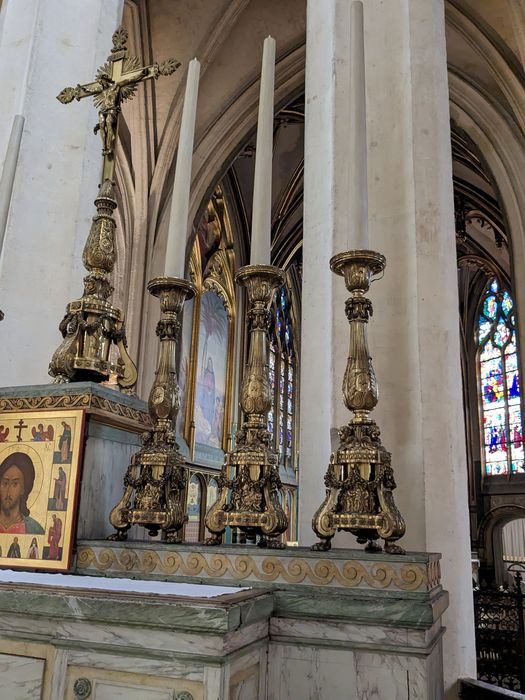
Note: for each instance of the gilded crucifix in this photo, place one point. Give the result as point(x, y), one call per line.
point(116, 81)
point(92, 323)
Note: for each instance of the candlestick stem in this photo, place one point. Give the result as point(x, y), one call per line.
point(155, 482)
point(249, 482)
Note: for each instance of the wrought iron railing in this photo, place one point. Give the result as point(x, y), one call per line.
point(500, 640)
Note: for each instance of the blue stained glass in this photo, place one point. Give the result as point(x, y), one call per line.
point(497, 448)
point(518, 467)
point(494, 426)
point(506, 303)
point(492, 382)
point(281, 335)
point(513, 385)
point(483, 328)
point(496, 469)
point(489, 367)
point(500, 385)
point(194, 498)
point(502, 333)
point(490, 307)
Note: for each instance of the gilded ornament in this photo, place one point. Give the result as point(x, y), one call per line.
point(249, 483)
point(307, 570)
point(155, 481)
point(92, 324)
point(360, 480)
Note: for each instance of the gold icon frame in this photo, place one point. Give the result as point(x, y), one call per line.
point(44, 532)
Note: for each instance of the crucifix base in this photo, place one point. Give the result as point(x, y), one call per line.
point(92, 324)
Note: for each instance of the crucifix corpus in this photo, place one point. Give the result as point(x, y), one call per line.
point(92, 324)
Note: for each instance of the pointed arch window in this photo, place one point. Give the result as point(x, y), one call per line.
point(207, 339)
point(499, 384)
point(282, 362)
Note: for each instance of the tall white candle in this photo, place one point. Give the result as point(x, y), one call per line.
point(358, 200)
point(178, 224)
point(262, 187)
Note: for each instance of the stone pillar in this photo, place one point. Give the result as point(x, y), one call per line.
point(46, 45)
point(323, 322)
point(414, 333)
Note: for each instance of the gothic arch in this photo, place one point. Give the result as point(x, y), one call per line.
point(491, 129)
point(490, 536)
point(499, 62)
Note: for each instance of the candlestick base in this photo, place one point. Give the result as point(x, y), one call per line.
point(155, 482)
point(360, 479)
point(249, 482)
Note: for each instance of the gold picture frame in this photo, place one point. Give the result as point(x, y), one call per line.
point(40, 458)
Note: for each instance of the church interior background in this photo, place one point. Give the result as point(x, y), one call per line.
point(445, 100)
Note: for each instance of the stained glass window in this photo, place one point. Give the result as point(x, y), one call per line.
point(499, 384)
point(282, 378)
point(193, 509)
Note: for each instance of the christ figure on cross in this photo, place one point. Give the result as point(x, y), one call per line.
point(117, 80)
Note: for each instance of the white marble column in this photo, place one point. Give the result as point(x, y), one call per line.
point(46, 45)
point(7, 178)
point(325, 195)
point(414, 333)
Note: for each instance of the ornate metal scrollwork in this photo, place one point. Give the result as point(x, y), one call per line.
point(249, 484)
point(360, 479)
point(155, 482)
point(92, 324)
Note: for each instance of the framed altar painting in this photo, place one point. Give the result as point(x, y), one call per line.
point(40, 456)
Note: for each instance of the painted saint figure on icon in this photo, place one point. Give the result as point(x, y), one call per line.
point(33, 549)
point(60, 488)
point(53, 537)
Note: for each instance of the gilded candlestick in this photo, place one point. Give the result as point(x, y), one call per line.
point(155, 482)
point(360, 479)
point(249, 482)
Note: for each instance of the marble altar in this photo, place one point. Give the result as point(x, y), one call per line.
point(269, 625)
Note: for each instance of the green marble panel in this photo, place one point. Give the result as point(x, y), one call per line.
point(193, 615)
